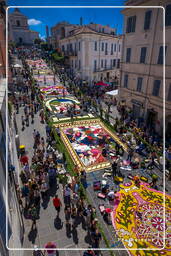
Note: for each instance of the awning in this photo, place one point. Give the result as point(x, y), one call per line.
point(112, 93)
point(102, 84)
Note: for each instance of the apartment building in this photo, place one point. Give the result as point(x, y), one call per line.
point(142, 84)
point(93, 56)
point(2, 40)
point(59, 31)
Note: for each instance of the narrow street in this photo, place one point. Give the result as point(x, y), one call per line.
point(48, 227)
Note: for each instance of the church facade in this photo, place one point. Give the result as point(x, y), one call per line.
point(19, 29)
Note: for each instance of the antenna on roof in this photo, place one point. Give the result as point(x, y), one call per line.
point(81, 21)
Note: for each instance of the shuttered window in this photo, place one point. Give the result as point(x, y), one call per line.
point(131, 24)
point(143, 54)
point(125, 81)
point(147, 19)
point(156, 87)
point(139, 84)
point(128, 54)
point(168, 15)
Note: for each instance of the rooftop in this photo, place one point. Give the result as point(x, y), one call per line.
point(135, 2)
point(87, 30)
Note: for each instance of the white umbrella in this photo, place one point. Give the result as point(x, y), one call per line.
point(17, 66)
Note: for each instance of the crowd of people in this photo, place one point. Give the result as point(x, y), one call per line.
point(40, 175)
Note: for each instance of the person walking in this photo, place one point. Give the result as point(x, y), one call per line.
point(33, 213)
point(50, 249)
point(22, 123)
point(114, 168)
point(96, 238)
point(130, 154)
point(67, 194)
point(57, 204)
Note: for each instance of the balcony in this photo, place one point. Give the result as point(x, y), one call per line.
point(109, 67)
point(70, 53)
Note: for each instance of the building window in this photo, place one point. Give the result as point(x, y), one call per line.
point(139, 84)
point(147, 19)
point(3, 150)
point(143, 54)
point(126, 81)
point(72, 63)
point(111, 63)
point(118, 63)
point(63, 48)
point(156, 88)
point(79, 46)
point(95, 46)
point(168, 15)
point(102, 30)
point(119, 48)
point(70, 47)
point(105, 63)
point(105, 48)
point(115, 48)
point(95, 65)
point(111, 49)
point(114, 62)
point(79, 64)
point(18, 23)
point(3, 219)
point(160, 57)
point(102, 46)
point(128, 54)
point(169, 93)
point(75, 63)
point(101, 63)
point(75, 46)
point(131, 23)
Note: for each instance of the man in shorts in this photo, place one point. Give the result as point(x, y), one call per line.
point(57, 204)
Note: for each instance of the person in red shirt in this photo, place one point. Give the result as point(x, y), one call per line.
point(57, 204)
point(24, 160)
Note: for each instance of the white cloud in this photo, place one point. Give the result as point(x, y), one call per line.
point(33, 22)
point(42, 37)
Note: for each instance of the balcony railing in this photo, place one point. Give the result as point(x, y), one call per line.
point(109, 67)
point(70, 53)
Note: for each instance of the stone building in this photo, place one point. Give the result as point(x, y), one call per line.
point(142, 84)
point(61, 30)
point(93, 55)
point(20, 32)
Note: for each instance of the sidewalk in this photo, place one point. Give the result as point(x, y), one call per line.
point(50, 228)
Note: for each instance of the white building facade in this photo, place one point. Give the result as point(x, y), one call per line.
point(93, 56)
point(142, 84)
point(19, 29)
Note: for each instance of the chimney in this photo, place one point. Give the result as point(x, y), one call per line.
point(81, 21)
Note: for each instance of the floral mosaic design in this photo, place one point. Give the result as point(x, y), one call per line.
point(54, 90)
point(88, 142)
point(139, 220)
point(61, 105)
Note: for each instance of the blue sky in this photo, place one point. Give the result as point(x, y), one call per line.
point(46, 16)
